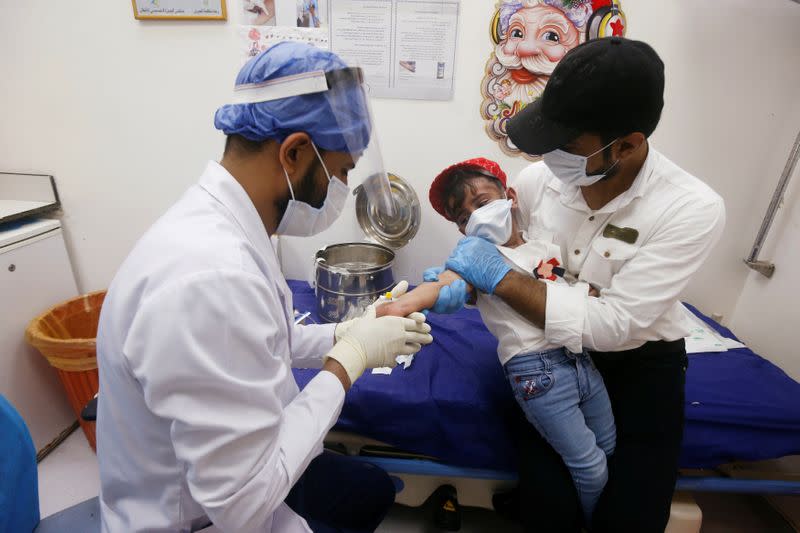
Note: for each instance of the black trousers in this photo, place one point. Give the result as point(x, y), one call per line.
point(646, 387)
point(337, 494)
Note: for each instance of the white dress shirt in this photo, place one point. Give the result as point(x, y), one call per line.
point(677, 220)
point(199, 415)
point(515, 334)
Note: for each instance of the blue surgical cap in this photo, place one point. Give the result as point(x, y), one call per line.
point(340, 124)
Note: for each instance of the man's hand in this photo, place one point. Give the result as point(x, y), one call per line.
point(375, 342)
point(432, 274)
point(371, 311)
point(479, 262)
point(451, 297)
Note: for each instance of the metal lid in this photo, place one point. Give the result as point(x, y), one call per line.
point(396, 231)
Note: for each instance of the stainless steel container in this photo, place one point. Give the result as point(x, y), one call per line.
point(349, 277)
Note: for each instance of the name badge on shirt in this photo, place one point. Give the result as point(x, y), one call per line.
point(628, 235)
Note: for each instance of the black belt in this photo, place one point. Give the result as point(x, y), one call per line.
point(650, 348)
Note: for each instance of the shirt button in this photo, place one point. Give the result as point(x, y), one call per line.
point(577, 252)
point(591, 218)
point(607, 254)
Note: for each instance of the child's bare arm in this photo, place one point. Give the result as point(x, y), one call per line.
point(422, 297)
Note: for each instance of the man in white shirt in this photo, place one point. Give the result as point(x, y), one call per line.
point(200, 419)
point(634, 226)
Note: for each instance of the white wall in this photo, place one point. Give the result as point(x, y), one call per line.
point(767, 313)
point(733, 69)
point(120, 111)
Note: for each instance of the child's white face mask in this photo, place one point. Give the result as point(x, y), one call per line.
point(492, 222)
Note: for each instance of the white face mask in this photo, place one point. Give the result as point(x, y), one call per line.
point(491, 222)
point(571, 168)
point(302, 220)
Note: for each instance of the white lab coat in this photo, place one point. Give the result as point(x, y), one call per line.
point(199, 416)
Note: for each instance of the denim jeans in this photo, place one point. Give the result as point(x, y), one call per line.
point(563, 396)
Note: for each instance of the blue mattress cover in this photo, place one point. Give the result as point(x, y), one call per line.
point(454, 403)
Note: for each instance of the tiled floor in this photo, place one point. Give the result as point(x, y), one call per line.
point(724, 513)
point(69, 475)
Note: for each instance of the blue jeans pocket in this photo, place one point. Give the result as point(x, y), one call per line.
point(532, 385)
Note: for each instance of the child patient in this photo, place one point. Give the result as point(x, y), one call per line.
point(561, 393)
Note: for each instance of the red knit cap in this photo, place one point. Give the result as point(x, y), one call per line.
point(438, 191)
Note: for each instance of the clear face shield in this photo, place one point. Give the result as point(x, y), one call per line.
point(345, 93)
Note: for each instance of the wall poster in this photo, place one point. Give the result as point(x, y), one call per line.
point(529, 38)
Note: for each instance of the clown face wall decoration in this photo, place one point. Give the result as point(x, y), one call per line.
point(530, 37)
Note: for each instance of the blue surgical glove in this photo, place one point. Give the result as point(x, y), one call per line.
point(432, 274)
point(479, 262)
point(451, 297)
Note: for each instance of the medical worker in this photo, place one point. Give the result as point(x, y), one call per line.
point(200, 420)
point(636, 227)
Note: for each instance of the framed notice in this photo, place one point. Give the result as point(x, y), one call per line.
point(179, 9)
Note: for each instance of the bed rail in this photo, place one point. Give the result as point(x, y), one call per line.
point(765, 267)
point(424, 467)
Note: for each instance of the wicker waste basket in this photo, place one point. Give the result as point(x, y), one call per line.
point(65, 335)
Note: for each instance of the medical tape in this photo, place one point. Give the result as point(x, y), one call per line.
point(286, 87)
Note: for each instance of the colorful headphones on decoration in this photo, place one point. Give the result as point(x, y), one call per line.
point(607, 20)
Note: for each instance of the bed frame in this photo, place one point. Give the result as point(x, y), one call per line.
point(424, 473)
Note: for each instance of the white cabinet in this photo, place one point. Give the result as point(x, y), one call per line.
point(35, 274)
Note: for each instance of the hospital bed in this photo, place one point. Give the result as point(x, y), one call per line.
point(445, 423)
point(447, 419)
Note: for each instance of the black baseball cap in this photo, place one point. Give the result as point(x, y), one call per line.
point(610, 86)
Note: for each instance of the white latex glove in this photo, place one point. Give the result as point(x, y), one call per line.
point(342, 327)
point(375, 342)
